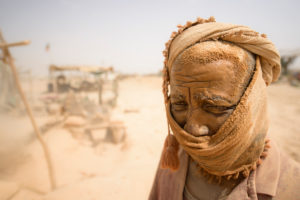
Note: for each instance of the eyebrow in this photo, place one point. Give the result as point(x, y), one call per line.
point(178, 96)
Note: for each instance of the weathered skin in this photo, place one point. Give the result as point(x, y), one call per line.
point(204, 95)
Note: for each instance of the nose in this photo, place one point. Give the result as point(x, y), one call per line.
point(196, 123)
point(196, 129)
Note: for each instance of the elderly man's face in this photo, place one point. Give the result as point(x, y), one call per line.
point(205, 94)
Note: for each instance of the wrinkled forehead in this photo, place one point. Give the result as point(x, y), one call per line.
point(212, 65)
point(205, 53)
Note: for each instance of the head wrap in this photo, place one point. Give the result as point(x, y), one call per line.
point(241, 36)
point(239, 144)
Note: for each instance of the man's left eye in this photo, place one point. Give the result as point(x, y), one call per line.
point(218, 109)
point(179, 106)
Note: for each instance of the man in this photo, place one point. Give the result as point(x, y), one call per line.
point(217, 145)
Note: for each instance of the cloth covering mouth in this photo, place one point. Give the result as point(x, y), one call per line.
point(239, 142)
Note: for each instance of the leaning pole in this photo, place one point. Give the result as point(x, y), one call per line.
point(7, 58)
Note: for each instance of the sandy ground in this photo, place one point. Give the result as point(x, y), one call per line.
point(126, 170)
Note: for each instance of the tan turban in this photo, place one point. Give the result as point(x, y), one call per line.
point(241, 36)
point(240, 142)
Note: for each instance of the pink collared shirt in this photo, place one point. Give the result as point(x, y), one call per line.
point(278, 177)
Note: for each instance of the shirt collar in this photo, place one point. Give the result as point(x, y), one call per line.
point(262, 181)
point(267, 174)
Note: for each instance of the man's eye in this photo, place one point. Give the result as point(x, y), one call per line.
point(218, 109)
point(179, 106)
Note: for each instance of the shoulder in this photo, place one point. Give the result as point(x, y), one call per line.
point(278, 176)
point(170, 184)
point(289, 179)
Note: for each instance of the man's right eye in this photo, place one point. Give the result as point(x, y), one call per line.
point(179, 106)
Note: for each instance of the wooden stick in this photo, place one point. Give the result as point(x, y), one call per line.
point(6, 45)
point(28, 109)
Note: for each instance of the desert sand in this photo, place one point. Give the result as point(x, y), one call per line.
point(125, 170)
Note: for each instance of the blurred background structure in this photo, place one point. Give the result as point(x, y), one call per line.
point(91, 76)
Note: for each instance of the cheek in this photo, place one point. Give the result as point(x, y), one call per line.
point(215, 122)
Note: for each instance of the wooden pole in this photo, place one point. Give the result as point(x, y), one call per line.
point(45, 148)
point(4, 45)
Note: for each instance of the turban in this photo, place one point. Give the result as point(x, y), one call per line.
point(239, 144)
point(241, 36)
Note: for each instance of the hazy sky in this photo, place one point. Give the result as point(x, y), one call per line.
point(129, 34)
